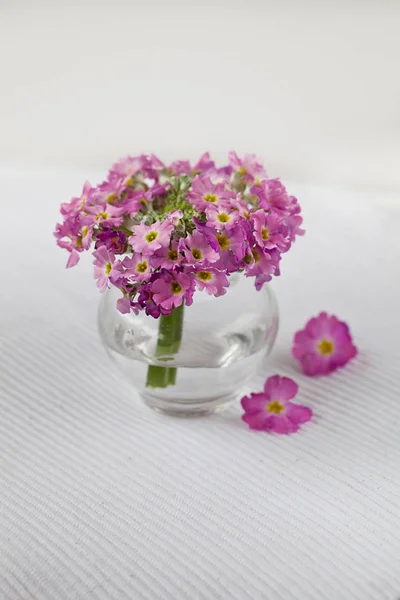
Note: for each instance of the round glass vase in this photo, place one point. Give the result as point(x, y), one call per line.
point(198, 359)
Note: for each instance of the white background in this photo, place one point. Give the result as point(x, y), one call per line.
point(313, 87)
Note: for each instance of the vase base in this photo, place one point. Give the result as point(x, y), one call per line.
point(176, 407)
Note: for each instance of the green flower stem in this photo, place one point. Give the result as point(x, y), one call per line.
point(168, 344)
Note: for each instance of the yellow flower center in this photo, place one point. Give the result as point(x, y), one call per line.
point(264, 234)
point(102, 215)
point(246, 214)
point(151, 236)
point(326, 347)
point(108, 268)
point(256, 256)
point(210, 198)
point(129, 180)
point(142, 267)
point(85, 231)
point(111, 198)
point(173, 254)
point(204, 276)
point(223, 241)
point(176, 288)
point(223, 217)
point(242, 171)
point(197, 254)
point(143, 201)
point(247, 259)
point(275, 407)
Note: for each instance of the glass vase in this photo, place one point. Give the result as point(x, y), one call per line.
point(198, 359)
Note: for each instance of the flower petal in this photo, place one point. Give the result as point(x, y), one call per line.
point(254, 403)
point(297, 413)
point(257, 420)
point(280, 388)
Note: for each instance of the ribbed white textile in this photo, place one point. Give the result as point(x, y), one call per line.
point(100, 498)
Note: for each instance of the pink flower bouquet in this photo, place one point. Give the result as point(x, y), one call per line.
point(158, 233)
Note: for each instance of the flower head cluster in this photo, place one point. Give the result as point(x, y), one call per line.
point(160, 232)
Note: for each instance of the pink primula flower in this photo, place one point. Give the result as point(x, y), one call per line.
point(103, 214)
point(232, 248)
point(205, 193)
point(171, 290)
point(272, 410)
point(137, 268)
point(222, 217)
point(149, 238)
point(268, 230)
point(212, 281)
point(197, 250)
point(105, 268)
point(168, 257)
point(323, 345)
point(249, 167)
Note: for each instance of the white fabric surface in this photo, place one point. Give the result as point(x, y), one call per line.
point(100, 498)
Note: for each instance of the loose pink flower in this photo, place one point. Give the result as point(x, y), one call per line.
point(149, 238)
point(268, 230)
point(272, 409)
point(205, 193)
point(197, 249)
point(105, 269)
point(323, 345)
point(171, 290)
point(137, 268)
point(212, 281)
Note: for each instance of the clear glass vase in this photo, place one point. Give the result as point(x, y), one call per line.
point(198, 360)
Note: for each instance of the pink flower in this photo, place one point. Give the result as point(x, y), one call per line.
point(167, 258)
point(77, 204)
point(136, 200)
point(232, 248)
point(105, 268)
point(268, 230)
point(212, 281)
point(222, 217)
point(137, 268)
point(171, 290)
point(112, 239)
point(180, 167)
point(197, 249)
point(323, 345)
point(272, 194)
point(175, 216)
point(205, 193)
point(262, 263)
point(249, 167)
point(149, 238)
point(272, 410)
point(103, 214)
point(126, 168)
point(204, 163)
